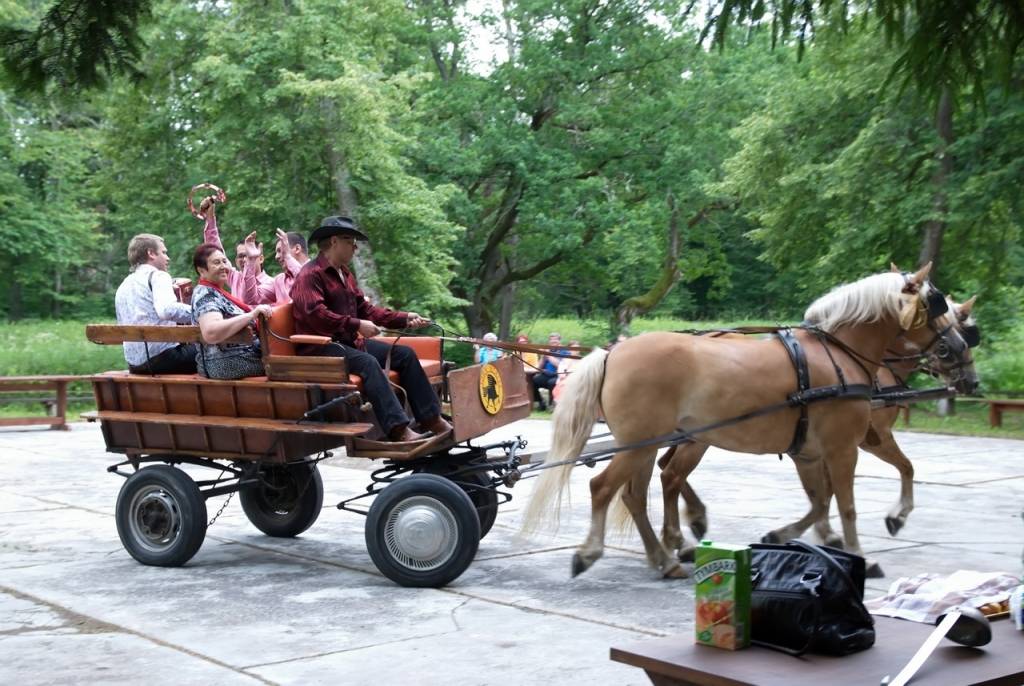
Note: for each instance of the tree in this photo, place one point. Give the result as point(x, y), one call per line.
point(296, 124)
point(941, 43)
point(838, 176)
point(76, 44)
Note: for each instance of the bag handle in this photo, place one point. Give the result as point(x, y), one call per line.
point(822, 553)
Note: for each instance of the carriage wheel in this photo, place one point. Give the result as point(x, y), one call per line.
point(478, 487)
point(161, 516)
point(484, 498)
point(287, 501)
point(422, 531)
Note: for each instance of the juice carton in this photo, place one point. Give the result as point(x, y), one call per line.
point(722, 577)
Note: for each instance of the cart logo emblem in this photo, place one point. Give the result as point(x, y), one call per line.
point(492, 395)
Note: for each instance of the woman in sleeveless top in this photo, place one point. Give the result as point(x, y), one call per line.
point(220, 315)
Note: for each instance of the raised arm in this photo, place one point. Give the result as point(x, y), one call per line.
point(284, 255)
point(253, 292)
point(211, 234)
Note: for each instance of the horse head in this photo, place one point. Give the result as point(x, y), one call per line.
point(942, 333)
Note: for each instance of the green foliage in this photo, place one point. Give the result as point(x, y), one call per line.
point(600, 152)
point(939, 43)
point(76, 44)
point(51, 347)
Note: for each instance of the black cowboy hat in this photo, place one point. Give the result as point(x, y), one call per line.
point(335, 226)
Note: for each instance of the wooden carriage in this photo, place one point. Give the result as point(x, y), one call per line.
point(432, 500)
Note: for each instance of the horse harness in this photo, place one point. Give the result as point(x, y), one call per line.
point(804, 394)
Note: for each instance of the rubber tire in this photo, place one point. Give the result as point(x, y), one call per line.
point(434, 494)
point(285, 523)
point(484, 499)
point(170, 488)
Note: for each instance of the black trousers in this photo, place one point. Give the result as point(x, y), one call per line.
point(369, 366)
point(181, 359)
point(543, 380)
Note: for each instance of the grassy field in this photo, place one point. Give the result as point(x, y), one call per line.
point(971, 419)
point(60, 347)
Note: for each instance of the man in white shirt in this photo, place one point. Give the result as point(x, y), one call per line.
point(146, 297)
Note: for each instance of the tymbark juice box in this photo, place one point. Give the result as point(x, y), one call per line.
point(722, 577)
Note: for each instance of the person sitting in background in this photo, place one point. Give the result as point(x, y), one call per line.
point(246, 279)
point(565, 367)
point(485, 354)
point(146, 297)
point(547, 376)
point(530, 360)
point(220, 315)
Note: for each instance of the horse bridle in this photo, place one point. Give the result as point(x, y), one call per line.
point(947, 351)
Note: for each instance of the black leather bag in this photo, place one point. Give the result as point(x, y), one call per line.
point(808, 598)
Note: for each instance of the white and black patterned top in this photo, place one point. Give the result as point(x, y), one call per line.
point(226, 360)
point(146, 297)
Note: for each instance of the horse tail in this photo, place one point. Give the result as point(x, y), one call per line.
point(620, 521)
point(571, 424)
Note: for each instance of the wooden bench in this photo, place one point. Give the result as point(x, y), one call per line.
point(34, 384)
point(996, 407)
point(279, 367)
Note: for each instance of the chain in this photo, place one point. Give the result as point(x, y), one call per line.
point(221, 510)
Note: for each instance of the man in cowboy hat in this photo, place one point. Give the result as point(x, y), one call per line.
point(328, 302)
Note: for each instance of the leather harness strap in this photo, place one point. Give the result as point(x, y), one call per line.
point(804, 394)
point(803, 384)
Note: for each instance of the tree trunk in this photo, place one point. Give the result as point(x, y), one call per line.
point(15, 308)
point(364, 265)
point(935, 228)
point(667, 278)
point(508, 301)
point(57, 287)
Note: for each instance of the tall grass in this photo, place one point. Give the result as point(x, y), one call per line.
point(53, 347)
point(60, 347)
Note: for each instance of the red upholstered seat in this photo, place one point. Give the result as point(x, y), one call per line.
point(428, 349)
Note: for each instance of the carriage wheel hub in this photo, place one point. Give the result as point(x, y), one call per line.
point(156, 518)
point(421, 533)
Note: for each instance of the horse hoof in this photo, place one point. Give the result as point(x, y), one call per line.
point(834, 541)
point(771, 537)
point(676, 572)
point(874, 571)
point(578, 565)
point(686, 555)
point(893, 524)
point(698, 529)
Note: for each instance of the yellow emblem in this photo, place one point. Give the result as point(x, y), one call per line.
point(491, 393)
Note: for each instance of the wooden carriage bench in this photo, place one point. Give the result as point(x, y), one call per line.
point(58, 406)
point(242, 418)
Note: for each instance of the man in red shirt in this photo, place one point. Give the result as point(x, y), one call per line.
point(328, 302)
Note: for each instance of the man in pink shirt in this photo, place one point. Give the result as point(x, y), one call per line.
point(291, 255)
point(248, 282)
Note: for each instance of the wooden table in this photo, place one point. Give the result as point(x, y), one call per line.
point(681, 662)
point(57, 384)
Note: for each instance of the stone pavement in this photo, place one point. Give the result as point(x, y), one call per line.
point(75, 608)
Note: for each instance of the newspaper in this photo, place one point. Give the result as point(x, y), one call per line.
point(924, 597)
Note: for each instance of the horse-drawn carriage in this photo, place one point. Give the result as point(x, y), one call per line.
point(432, 500)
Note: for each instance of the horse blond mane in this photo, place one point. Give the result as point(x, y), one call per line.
point(867, 300)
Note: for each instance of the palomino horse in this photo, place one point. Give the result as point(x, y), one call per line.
point(659, 383)
point(903, 359)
